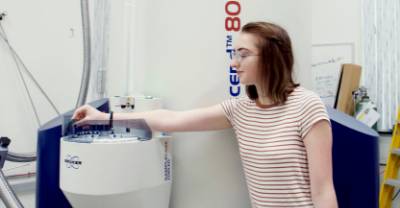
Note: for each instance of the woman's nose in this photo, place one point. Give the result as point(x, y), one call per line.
point(234, 63)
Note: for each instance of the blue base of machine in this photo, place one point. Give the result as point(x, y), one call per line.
point(48, 193)
point(355, 162)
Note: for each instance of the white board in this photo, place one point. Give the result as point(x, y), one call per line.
point(327, 60)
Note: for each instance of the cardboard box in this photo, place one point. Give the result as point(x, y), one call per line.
point(349, 81)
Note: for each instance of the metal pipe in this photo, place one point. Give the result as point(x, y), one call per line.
point(19, 157)
point(7, 194)
point(86, 53)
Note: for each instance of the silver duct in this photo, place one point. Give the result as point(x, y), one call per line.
point(8, 196)
point(86, 53)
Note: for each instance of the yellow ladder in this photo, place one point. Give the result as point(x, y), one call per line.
point(392, 167)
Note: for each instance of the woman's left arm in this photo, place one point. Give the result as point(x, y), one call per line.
point(318, 143)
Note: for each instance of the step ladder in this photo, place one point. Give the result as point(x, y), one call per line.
point(391, 180)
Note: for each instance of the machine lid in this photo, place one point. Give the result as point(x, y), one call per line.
point(102, 137)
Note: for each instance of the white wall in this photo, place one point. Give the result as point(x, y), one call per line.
point(41, 33)
point(340, 22)
point(337, 21)
point(180, 48)
point(188, 67)
point(47, 36)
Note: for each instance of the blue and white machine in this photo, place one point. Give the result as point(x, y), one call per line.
point(355, 158)
point(96, 166)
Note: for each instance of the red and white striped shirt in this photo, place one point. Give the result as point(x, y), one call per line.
point(271, 147)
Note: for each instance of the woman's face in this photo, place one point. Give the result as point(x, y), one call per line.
point(246, 59)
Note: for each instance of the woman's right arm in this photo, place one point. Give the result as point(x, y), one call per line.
point(201, 119)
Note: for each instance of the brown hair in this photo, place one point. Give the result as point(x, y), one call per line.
point(276, 61)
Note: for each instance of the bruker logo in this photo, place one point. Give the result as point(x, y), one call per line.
point(72, 161)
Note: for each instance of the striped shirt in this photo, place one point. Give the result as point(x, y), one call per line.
point(272, 149)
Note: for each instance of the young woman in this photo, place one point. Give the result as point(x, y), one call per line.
point(283, 130)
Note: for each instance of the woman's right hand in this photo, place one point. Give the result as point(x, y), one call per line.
point(87, 114)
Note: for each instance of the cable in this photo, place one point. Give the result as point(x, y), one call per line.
point(27, 71)
point(16, 167)
point(18, 59)
point(22, 175)
point(23, 80)
point(28, 157)
point(18, 157)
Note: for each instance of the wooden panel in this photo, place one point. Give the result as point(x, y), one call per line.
point(349, 82)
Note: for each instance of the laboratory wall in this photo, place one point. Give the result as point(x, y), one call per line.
point(46, 35)
point(335, 22)
point(177, 50)
point(187, 64)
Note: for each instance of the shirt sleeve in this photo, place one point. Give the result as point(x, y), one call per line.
point(229, 107)
point(312, 111)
